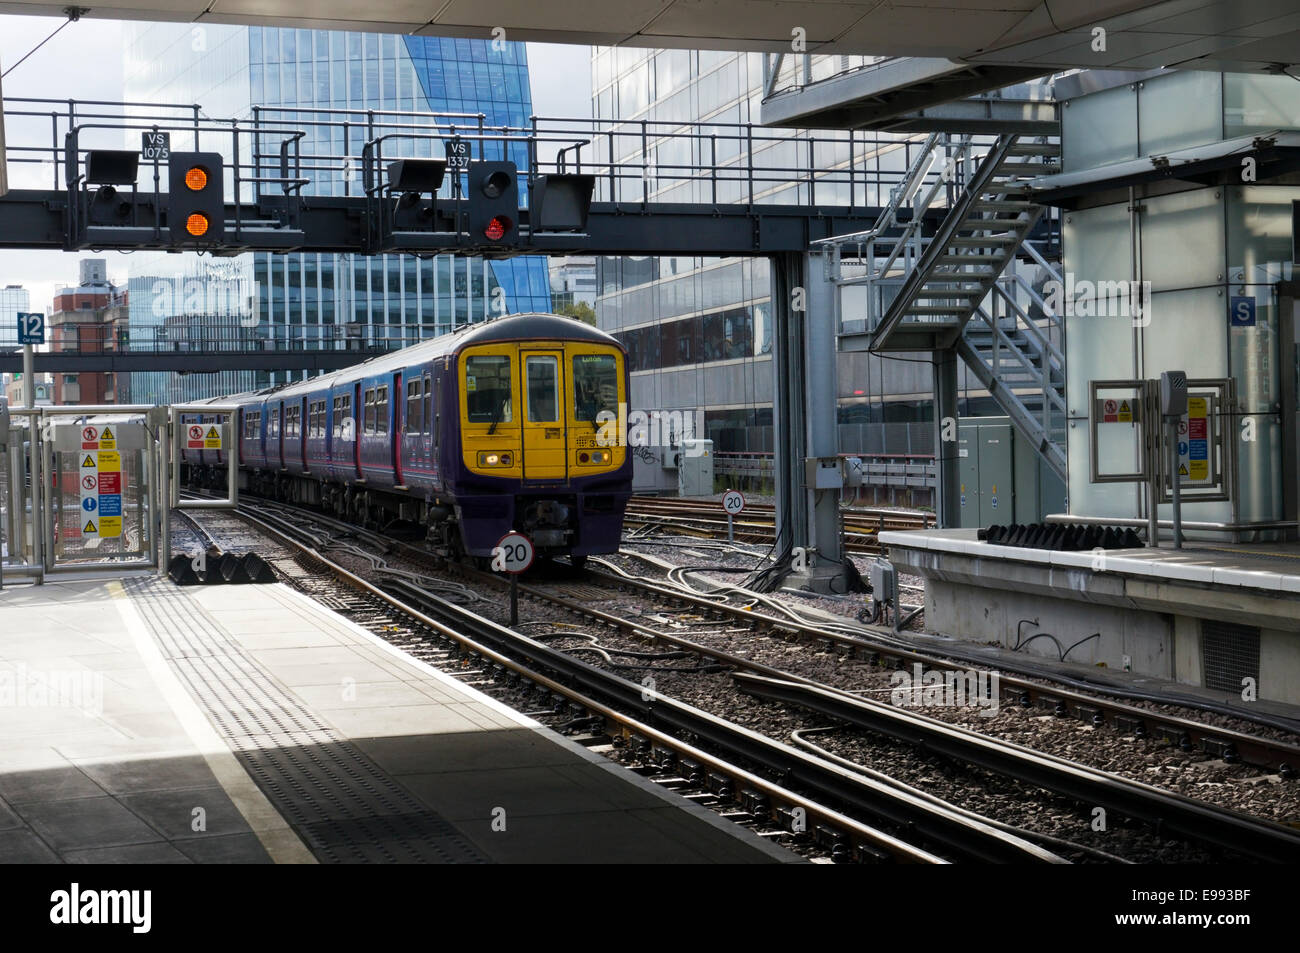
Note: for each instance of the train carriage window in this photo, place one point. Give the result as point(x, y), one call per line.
point(368, 421)
point(595, 385)
point(542, 371)
point(381, 410)
point(347, 425)
point(338, 415)
point(487, 389)
point(414, 407)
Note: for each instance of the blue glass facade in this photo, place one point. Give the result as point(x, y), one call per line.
point(330, 299)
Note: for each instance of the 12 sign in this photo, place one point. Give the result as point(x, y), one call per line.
point(513, 553)
point(31, 328)
point(733, 502)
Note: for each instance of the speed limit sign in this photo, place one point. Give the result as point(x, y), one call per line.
point(513, 553)
point(733, 502)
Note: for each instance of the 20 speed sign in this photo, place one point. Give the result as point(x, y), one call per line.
point(513, 553)
point(733, 502)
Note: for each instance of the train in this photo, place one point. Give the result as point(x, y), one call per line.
point(500, 426)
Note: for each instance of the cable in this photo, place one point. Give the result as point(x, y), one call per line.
point(73, 14)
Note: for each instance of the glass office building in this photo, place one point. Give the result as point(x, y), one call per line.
point(310, 299)
point(699, 329)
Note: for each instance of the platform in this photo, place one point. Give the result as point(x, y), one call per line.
point(1209, 614)
point(141, 722)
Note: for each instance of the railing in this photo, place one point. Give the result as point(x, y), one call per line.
point(205, 334)
point(287, 153)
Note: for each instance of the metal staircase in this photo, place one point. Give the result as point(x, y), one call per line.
point(960, 288)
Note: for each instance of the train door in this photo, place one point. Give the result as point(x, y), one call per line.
point(356, 429)
point(544, 438)
point(396, 407)
point(430, 426)
point(279, 433)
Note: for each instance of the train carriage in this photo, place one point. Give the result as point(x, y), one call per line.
point(501, 426)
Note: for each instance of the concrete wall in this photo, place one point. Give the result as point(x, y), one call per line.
point(987, 615)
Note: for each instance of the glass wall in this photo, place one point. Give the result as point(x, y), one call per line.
point(1207, 260)
point(340, 300)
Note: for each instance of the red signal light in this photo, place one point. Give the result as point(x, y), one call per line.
point(497, 228)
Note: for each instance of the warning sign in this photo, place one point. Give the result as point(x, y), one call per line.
point(1112, 410)
point(88, 461)
point(110, 460)
point(110, 527)
point(212, 439)
point(1194, 443)
point(106, 439)
point(110, 481)
point(90, 529)
point(89, 438)
point(194, 437)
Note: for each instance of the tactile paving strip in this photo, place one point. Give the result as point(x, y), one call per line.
point(344, 807)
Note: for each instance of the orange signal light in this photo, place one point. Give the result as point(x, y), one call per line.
point(197, 224)
point(196, 179)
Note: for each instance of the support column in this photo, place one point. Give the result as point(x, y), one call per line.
point(947, 488)
point(805, 419)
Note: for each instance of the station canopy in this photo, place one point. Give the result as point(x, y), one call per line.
point(1231, 35)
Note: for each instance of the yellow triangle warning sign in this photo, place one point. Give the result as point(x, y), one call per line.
point(90, 527)
point(1182, 470)
point(212, 433)
point(106, 435)
point(89, 461)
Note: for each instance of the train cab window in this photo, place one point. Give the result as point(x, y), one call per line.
point(381, 410)
point(368, 420)
point(542, 371)
point(487, 389)
point(595, 386)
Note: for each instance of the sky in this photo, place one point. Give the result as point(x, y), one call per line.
point(84, 61)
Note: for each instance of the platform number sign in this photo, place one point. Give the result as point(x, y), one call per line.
point(31, 328)
point(513, 554)
point(733, 502)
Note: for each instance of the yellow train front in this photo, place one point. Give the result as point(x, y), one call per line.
point(539, 401)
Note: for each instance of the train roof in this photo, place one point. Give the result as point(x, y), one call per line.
point(519, 327)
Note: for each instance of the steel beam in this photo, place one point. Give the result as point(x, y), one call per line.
point(947, 487)
point(36, 219)
point(191, 362)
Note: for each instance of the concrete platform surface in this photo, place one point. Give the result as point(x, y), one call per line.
point(144, 723)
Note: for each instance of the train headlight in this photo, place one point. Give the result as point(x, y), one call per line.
point(487, 459)
point(595, 457)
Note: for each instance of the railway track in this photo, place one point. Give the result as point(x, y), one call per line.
point(706, 519)
point(726, 763)
point(828, 780)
